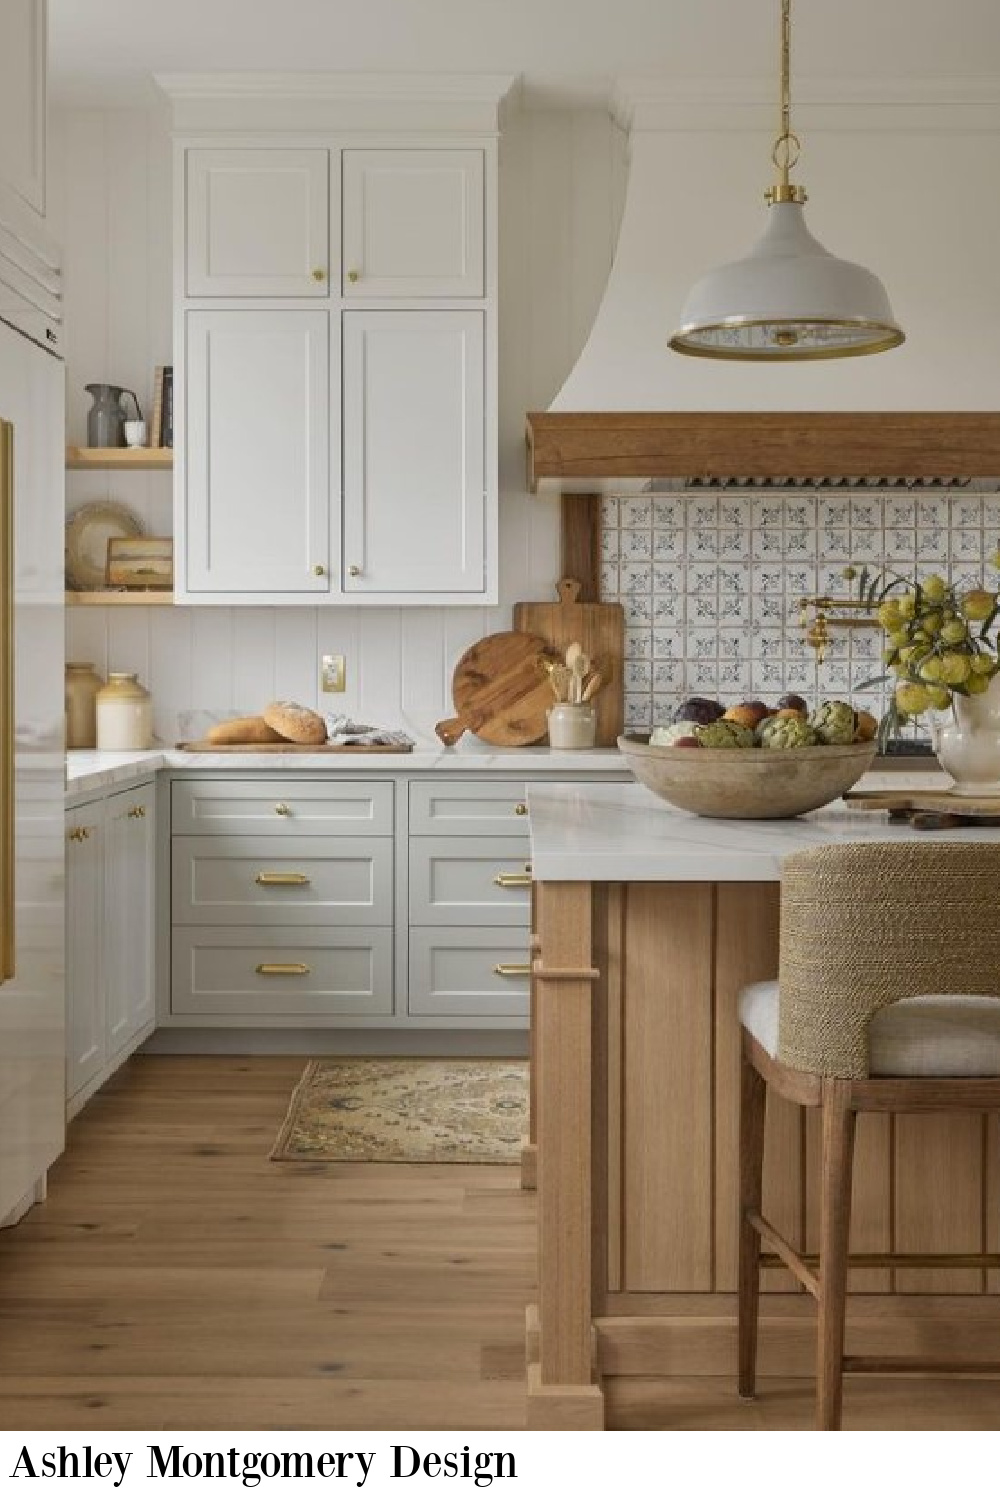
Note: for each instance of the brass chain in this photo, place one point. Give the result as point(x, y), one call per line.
point(787, 146)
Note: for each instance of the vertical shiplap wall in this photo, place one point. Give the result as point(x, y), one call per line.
point(561, 188)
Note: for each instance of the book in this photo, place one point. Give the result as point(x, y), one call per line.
point(167, 430)
point(156, 416)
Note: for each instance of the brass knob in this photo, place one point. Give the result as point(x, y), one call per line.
point(354, 571)
point(137, 812)
point(319, 570)
point(283, 810)
point(521, 809)
point(319, 274)
point(353, 276)
point(77, 835)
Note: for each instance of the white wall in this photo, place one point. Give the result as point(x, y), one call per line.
point(561, 185)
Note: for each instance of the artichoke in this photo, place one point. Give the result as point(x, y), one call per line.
point(834, 722)
point(723, 735)
point(669, 734)
point(787, 734)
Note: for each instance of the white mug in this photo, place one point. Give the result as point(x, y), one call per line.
point(135, 434)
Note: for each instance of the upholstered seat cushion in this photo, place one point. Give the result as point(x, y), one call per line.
point(927, 1036)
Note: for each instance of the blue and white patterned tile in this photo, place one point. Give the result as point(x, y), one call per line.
point(966, 512)
point(702, 513)
point(668, 609)
point(800, 513)
point(865, 513)
point(667, 675)
point(638, 609)
point(767, 545)
point(768, 608)
point(900, 545)
point(800, 579)
point(767, 644)
point(636, 511)
point(834, 544)
point(669, 510)
point(702, 578)
point(734, 545)
point(702, 544)
point(702, 644)
point(736, 512)
point(638, 643)
point(867, 546)
point(767, 676)
point(967, 547)
point(636, 578)
point(703, 676)
point(768, 512)
point(609, 511)
point(734, 677)
point(665, 705)
point(638, 711)
point(932, 544)
point(833, 511)
point(900, 512)
point(734, 645)
point(702, 609)
point(609, 580)
point(635, 545)
point(611, 541)
point(669, 544)
point(668, 644)
point(638, 677)
point(735, 577)
point(991, 516)
point(669, 578)
point(734, 608)
point(933, 511)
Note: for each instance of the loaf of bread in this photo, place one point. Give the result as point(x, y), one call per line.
point(249, 731)
point(295, 723)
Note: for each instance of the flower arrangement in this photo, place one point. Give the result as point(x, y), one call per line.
point(940, 643)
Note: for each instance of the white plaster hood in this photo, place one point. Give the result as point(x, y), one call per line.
point(894, 175)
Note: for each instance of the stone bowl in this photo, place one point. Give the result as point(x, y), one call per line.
point(746, 783)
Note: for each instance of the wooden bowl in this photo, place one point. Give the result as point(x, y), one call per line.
point(746, 783)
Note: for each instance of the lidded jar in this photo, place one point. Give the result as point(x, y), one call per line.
point(124, 714)
point(82, 687)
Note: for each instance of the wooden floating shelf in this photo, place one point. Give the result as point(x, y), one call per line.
point(119, 458)
point(115, 597)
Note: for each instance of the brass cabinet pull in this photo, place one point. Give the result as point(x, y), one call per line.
point(510, 879)
point(319, 274)
point(354, 571)
point(137, 812)
point(283, 810)
point(521, 809)
point(353, 276)
point(283, 969)
point(280, 877)
point(512, 971)
point(77, 835)
point(319, 570)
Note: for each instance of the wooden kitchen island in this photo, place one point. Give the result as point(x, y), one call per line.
point(648, 922)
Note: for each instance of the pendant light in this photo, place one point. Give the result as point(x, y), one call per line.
point(789, 298)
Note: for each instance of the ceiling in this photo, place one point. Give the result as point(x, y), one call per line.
point(104, 51)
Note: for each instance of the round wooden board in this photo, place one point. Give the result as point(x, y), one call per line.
point(500, 692)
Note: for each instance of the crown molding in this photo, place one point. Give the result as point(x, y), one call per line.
point(648, 103)
point(469, 102)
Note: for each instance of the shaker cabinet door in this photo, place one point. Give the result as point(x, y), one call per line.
point(258, 411)
point(86, 1042)
point(414, 453)
point(413, 224)
point(257, 223)
point(22, 101)
point(128, 903)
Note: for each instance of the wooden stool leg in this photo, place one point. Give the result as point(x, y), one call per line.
point(834, 1234)
point(753, 1107)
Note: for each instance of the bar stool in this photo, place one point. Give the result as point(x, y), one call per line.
point(887, 1000)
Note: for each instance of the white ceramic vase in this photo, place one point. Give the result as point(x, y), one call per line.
point(968, 743)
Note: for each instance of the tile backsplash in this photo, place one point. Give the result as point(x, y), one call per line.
point(711, 580)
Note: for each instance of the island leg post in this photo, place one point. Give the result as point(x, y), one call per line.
point(563, 1393)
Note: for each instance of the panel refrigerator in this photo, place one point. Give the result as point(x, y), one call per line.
point(32, 767)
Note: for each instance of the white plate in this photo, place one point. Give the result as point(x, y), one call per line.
point(88, 531)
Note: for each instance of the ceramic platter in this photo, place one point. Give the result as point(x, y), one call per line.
point(88, 532)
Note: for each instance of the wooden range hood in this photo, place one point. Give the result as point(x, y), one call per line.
point(579, 453)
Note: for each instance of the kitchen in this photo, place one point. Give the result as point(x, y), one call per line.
point(708, 579)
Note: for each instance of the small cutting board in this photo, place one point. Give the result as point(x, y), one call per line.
point(927, 809)
point(500, 691)
point(600, 630)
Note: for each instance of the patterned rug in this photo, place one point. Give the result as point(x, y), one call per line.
point(407, 1109)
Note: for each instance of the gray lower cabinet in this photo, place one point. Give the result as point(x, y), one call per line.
point(302, 976)
point(469, 971)
point(298, 881)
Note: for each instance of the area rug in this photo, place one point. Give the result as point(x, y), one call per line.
point(406, 1109)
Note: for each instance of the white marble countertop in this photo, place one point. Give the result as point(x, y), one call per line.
point(95, 770)
point(623, 832)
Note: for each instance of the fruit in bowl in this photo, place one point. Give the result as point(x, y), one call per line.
point(789, 761)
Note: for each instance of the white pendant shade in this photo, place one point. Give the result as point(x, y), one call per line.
point(788, 299)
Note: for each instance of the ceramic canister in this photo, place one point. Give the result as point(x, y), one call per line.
point(124, 714)
point(82, 687)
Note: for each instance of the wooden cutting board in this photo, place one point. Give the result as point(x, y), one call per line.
point(927, 809)
point(500, 691)
point(274, 747)
point(600, 630)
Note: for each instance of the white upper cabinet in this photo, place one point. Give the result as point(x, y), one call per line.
point(413, 224)
point(256, 483)
point(258, 223)
point(414, 459)
point(22, 100)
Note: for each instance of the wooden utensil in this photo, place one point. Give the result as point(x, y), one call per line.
point(500, 691)
point(600, 631)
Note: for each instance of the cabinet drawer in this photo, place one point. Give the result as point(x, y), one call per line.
point(468, 808)
point(279, 808)
point(453, 972)
point(282, 880)
point(455, 880)
point(217, 971)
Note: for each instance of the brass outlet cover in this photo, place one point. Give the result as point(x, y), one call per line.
point(333, 674)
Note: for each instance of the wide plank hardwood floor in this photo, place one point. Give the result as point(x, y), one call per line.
point(177, 1279)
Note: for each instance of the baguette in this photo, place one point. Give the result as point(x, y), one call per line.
point(249, 731)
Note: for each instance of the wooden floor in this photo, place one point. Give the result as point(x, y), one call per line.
point(178, 1279)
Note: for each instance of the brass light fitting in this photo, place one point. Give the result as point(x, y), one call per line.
point(815, 622)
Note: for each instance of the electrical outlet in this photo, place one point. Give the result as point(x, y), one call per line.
point(333, 674)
